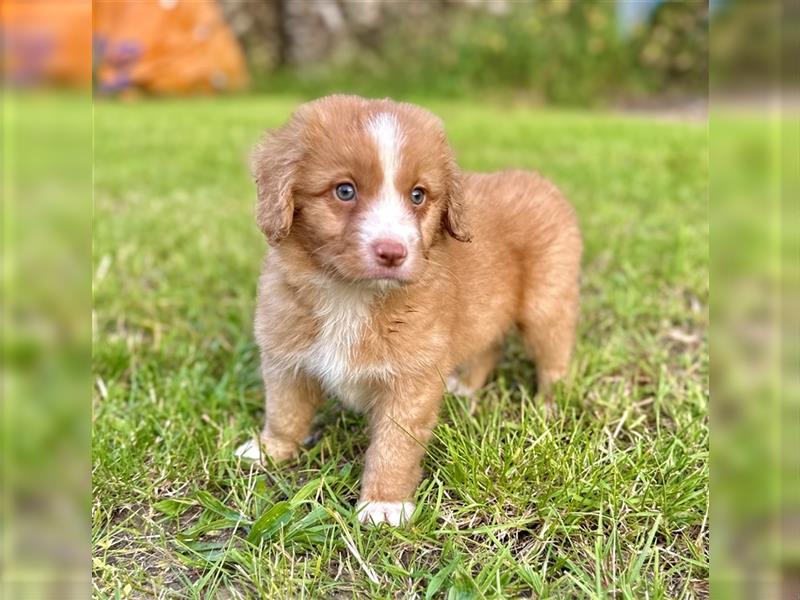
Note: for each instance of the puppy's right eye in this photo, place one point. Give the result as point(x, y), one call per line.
point(345, 191)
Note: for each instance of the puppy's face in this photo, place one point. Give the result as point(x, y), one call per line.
point(365, 187)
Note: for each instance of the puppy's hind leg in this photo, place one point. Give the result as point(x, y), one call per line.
point(469, 377)
point(291, 402)
point(548, 331)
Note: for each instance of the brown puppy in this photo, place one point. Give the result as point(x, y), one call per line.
point(391, 273)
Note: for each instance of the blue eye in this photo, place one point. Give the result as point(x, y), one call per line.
point(417, 196)
point(345, 191)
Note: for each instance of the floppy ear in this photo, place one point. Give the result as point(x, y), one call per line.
point(453, 217)
point(273, 165)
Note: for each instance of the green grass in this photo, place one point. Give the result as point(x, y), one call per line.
point(609, 499)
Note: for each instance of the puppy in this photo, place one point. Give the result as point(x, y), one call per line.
point(390, 273)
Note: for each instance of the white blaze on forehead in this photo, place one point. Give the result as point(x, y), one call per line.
point(389, 216)
point(388, 138)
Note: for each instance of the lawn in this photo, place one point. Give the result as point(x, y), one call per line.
point(609, 498)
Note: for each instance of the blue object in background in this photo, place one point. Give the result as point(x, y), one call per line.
point(633, 12)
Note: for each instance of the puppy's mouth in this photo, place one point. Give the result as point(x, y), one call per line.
point(387, 274)
point(377, 276)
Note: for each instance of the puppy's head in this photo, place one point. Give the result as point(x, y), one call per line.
point(365, 187)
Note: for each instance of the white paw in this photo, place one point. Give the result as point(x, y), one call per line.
point(250, 450)
point(456, 387)
point(393, 513)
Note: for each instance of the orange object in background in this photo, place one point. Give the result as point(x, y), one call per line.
point(46, 41)
point(165, 47)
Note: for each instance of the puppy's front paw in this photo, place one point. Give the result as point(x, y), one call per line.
point(258, 450)
point(393, 513)
point(458, 388)
point(250, 450)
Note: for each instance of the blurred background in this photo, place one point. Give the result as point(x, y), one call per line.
point(630, 55)
point(557, 51)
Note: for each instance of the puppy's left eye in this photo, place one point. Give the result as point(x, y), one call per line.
point(418, 195)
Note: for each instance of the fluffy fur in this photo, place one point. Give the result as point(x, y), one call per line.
point(482, 253)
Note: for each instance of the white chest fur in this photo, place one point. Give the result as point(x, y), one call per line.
point(343, 315)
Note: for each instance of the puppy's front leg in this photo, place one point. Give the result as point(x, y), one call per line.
point(400, 427)
point(291, 403)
